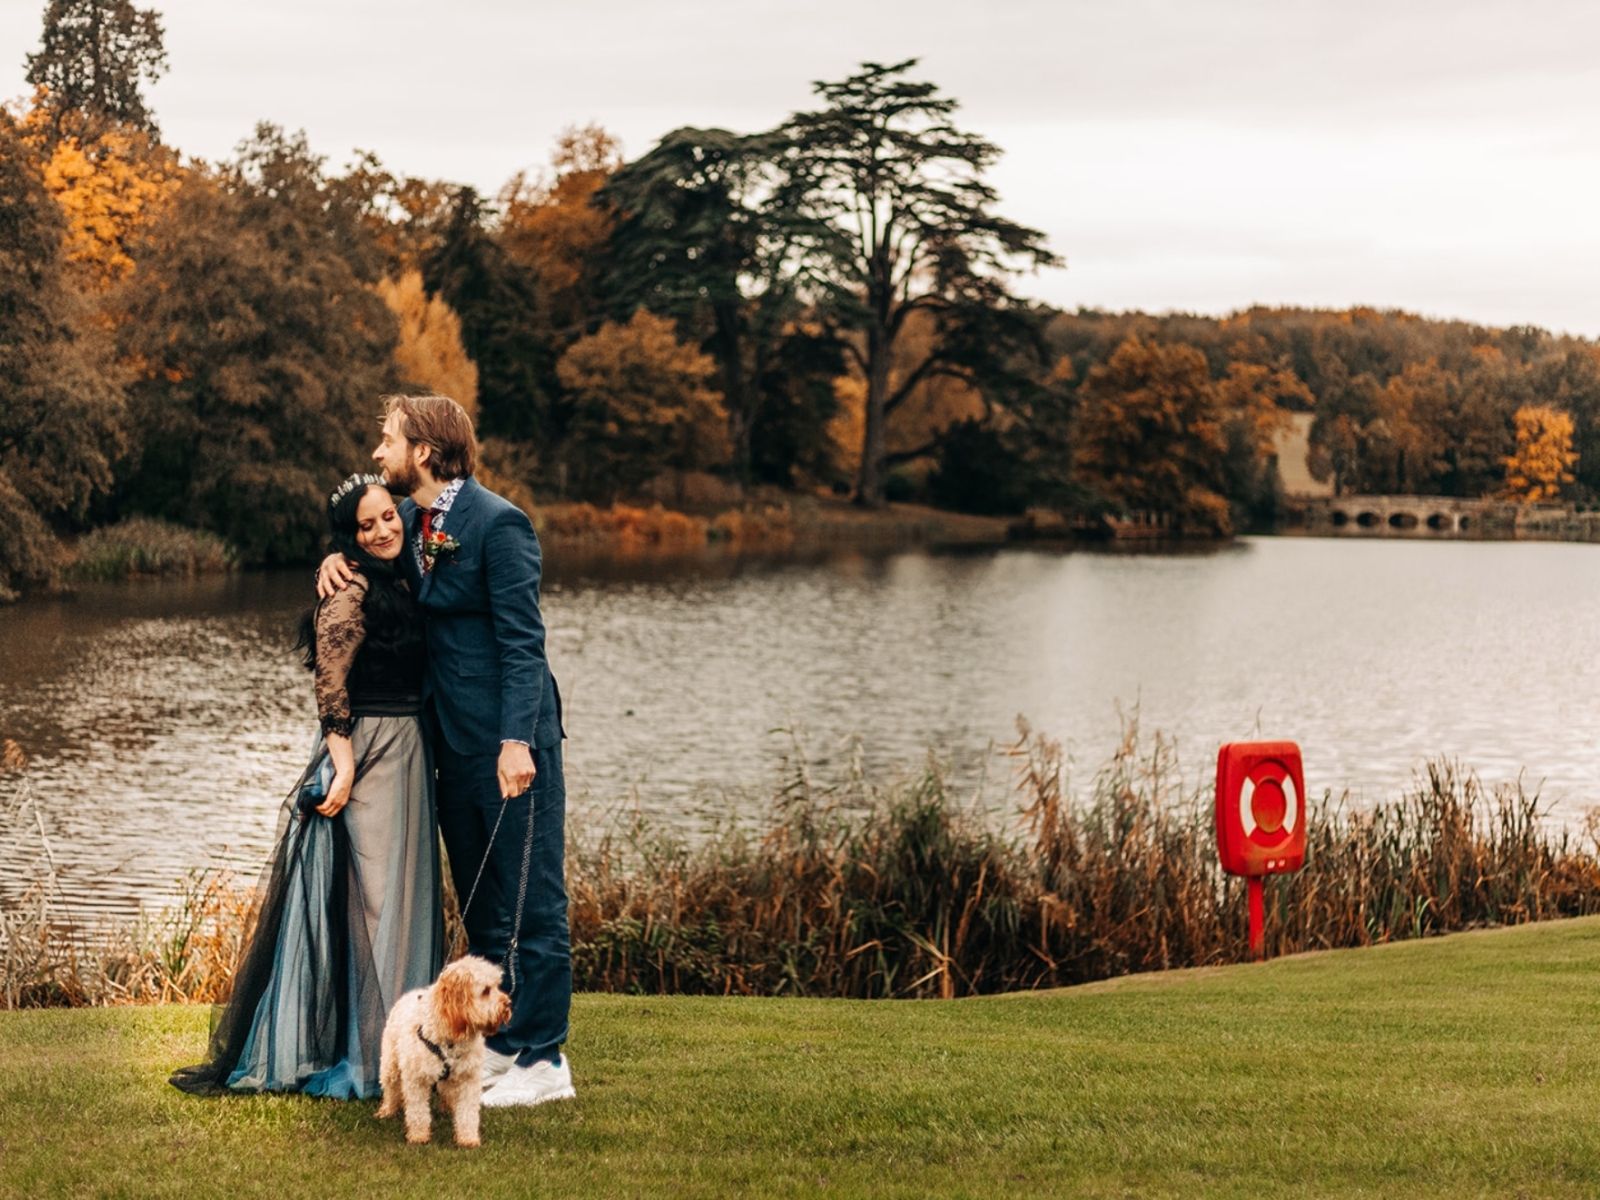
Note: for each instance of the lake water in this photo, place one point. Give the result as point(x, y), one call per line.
point(165, 720)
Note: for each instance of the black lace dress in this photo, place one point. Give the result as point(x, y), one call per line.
point(351, 914)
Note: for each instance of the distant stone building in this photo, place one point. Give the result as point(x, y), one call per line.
point(1293, 449)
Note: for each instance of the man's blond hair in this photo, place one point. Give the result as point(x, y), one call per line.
point(443, 426)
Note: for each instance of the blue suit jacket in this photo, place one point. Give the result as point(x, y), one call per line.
point(487, 679)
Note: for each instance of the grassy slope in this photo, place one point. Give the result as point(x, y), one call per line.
point(1454, 1067)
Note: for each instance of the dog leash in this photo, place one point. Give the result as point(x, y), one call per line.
point(509, 962)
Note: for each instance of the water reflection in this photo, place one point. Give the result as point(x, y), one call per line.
point(165, 720)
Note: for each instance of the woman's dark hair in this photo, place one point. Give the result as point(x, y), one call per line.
point(388, 607)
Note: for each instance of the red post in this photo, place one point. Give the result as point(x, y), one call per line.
point(1258, 918)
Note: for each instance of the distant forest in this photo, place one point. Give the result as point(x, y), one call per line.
point(830, 305)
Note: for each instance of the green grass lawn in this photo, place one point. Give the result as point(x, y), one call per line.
point(1454, 1067)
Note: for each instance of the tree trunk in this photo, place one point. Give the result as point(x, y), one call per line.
point(870, 480)
point(730, 353)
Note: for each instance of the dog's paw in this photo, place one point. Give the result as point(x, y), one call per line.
point(387, 1110)
point(469, 1142)
point(419, 1139)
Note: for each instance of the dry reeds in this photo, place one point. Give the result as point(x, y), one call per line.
point(919, 898)
point(622, 525)
point(856, 890)
point(48, 958)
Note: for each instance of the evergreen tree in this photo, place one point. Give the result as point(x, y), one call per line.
point(502, 325)
point(702, 236)
point(94, 58)
point(907, 226)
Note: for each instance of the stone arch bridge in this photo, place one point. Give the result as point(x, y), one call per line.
point(1408, 516)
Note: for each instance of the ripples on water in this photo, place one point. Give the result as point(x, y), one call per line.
point(166, 720)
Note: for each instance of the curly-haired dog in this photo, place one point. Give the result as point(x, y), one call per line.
point(434, 1039)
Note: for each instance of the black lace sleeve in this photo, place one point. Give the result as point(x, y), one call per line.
point(341, 628)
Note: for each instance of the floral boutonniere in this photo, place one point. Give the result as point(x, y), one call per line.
point(435, 545)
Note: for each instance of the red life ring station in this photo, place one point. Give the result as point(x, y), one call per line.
point(1261, 817)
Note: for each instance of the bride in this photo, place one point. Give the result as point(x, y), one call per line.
point(350, 916)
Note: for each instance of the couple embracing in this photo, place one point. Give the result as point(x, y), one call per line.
point(438, 715)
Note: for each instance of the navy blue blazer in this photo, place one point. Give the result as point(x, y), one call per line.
point(487, 679)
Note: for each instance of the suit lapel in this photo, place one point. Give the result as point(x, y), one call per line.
point(410, 518)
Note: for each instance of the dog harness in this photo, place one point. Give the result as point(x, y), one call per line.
point(437, 1053)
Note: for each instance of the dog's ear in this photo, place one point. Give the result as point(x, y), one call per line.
point(453, 1002)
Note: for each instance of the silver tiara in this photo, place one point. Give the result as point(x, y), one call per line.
point(350, 485)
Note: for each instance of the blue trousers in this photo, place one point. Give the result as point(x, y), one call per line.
point(539, 975)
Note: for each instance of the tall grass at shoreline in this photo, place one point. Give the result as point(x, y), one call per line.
point(144, 546)
point(860, 889)
point(921, 898)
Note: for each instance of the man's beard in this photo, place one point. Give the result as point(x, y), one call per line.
point(402, 482)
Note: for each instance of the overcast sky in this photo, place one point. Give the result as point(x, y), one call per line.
point(1203, 156)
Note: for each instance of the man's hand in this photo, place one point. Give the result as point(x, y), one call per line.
point(333, 576)
point(516, 769)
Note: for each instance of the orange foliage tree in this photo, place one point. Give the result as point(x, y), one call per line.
point(639, 403)
point(61, 402)
point(1151, 435)
point(550, 224)
point(429, 352)
point(1543, 459)
point(110, 189)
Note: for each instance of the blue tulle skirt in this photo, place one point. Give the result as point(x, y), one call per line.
point(351, 919)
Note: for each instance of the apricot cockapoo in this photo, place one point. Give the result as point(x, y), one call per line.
point(433, 1040)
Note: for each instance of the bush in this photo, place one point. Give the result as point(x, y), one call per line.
point(145, 546)
point(979, 473)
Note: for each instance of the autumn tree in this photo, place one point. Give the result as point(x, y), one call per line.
point(1151, 435)
point(1347, 406)
point(1543, 459)
point(428, 351)
point(404, 217)
point(109, 188)
point(1405, 442)
point(641, 403)
point(1256, 400)
point(61, 406)
point(260, 352)
point(552, 225)
point(1475, 423)
point(1570, 381)
point(288, 191)
point(93, 62)
point(905, 224)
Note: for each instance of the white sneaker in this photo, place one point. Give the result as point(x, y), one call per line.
point(523, 1087)
point(496, 1064)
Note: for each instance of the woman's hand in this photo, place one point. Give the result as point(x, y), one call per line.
point(344, 776)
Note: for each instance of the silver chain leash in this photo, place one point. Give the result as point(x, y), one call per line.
point(509, 962)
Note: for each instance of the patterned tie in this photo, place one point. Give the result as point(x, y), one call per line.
point(427, 528)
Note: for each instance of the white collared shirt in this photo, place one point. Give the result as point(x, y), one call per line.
point(438, 508)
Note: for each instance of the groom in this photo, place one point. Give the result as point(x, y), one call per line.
point(495, 719)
